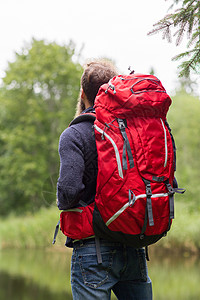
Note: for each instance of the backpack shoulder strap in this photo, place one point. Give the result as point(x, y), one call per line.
point(84, 117)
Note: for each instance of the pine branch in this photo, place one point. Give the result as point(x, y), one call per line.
point(188, 65)
point(194, 39)
point(186, 18)
point(163, 25)
point(186, 21)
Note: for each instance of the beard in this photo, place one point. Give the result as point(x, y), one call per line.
point(80, 107)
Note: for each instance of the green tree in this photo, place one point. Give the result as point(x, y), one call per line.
point(38, 99)
point(184, 21)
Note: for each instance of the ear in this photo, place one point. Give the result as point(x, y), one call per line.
point(83, 96)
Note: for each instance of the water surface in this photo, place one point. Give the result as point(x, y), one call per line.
point(28, 274)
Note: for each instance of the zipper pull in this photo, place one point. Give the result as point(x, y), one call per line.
point(103, 136)
point(111, 86)
point(131, 197)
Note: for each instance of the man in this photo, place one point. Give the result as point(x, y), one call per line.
point(123, 269)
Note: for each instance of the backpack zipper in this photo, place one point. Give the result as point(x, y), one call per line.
point(119, 165)
point(121, 210)
point(156, 80)
point(166, 149)
point(73, 210)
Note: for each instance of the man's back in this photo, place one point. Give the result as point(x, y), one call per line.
point(77, 148)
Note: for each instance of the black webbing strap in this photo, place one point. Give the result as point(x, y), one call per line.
point(98, 250)
point(56, 232)
point(144, 225)
point(126, 146)
point(147, 253)
point(171, 193)
point(149, 204)
point(148, 210)
point(179, 191)
point(124, 160)
point(173, 144)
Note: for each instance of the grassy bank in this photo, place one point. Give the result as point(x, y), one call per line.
point(31, 231)
point(183, 237)
point(36, 231)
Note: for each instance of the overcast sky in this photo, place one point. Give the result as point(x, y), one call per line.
point(107, 28)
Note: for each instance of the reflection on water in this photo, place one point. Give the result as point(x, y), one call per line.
point(20, 288)
point(27, 275)
point(175, 277)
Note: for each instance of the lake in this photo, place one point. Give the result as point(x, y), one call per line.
point(28, 274)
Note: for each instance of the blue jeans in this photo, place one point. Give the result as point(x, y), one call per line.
point(123, 270)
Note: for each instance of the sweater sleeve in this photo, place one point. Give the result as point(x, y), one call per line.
point(70, 183)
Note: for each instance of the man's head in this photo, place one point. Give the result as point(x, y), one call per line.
point(95, 74)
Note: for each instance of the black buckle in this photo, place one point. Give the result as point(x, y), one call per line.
point(122, 124)
point(170, 189)
point(148, 190)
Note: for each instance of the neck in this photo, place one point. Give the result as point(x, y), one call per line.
point(87, 104)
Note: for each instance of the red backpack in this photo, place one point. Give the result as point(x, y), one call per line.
point(134, 201)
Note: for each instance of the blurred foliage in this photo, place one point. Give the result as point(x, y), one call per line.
point(31, 231)
point(38, 99)
point(184, 121)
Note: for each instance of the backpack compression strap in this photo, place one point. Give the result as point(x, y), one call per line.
point(126, 146)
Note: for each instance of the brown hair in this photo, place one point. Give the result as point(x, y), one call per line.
point(95, 74)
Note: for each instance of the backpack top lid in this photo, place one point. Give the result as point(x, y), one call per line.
point(136, 95)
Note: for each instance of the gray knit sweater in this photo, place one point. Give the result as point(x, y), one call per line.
point(78, 165)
